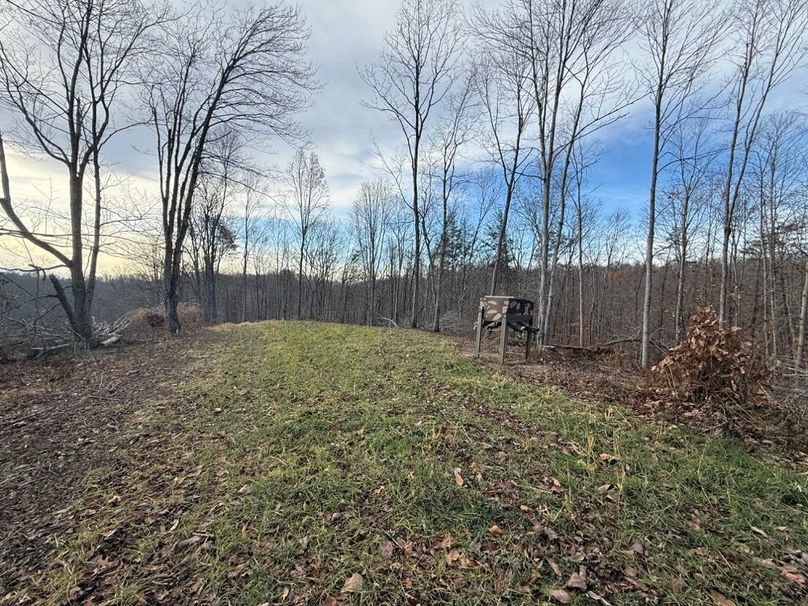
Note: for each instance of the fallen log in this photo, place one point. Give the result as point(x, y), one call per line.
point(110, 341)
point(44, 352)
point(601, 347)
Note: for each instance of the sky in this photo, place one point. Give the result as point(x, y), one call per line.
point(346, 35)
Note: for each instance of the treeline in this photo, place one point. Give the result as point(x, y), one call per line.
point(502, 115)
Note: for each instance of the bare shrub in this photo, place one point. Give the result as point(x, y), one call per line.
point(190, 315)
point(789, 394)
point(714, 363)
point(454, 323)
point(149, 322)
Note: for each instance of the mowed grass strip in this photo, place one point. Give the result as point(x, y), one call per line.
point(310, 453)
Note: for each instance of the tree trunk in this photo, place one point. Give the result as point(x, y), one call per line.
point(680, 278)
point(300, 278)
point(209, 305)
point(503, 227)
point(82, 324)
point(438, 287)
point(580, 278)
point(554, 264)
point(244, 271)
point(170, 302)
point(545, 248)
point(371, 317)
point(649, 245)
point(803, 315)
point(416, 266)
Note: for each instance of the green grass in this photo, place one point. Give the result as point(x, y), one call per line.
point(304, 452)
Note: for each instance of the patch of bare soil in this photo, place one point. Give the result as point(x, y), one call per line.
point(58, 420)
point(609, 377)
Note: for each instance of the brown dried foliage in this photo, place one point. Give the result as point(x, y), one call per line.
point(148, 323)
point(714, 363)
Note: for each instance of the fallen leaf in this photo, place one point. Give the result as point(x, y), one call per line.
point(353, 584)
point(598, 598)
point(792, 574)
point(561, 595)
point(577, 580)
point(458, 477)
point(605, 488)
point(759, 531)
point(329, 601)
point(554, 567)
point(720, 599)
point(447, 542)
point(190, 541)
point(495, 530)
point(489, 546)
point(502, 581)
point(387, 548)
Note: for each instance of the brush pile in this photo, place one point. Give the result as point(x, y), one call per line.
point(714, 364)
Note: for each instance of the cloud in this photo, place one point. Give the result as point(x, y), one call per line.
point(346, 34)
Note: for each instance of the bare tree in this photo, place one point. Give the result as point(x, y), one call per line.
point(416, 71)
point(64, 95)
point(397, 246)
point(503, 86)
point(599, 95)
point(769, 39)
point(679, 38)
point(693, 155)
point(370, 216)
point(252, 225)
point(306, 204)
point(210, 231)
point(454, 132)
point(327, 241)
point(218, 73)
point(571, 50)
point(585, 223)
point(776, 174)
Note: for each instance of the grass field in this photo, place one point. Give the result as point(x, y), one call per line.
point(303, 463)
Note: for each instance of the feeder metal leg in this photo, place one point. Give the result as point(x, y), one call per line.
point(480, 316)
point(503, 339)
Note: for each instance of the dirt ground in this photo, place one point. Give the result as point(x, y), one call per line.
point(611, 377)
point(58, 420)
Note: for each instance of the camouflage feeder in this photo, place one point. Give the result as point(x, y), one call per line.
point(517, 314)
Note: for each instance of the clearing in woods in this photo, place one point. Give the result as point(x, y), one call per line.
point(303, 463)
